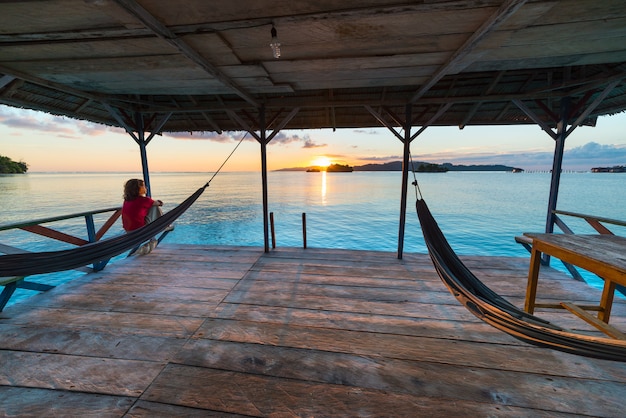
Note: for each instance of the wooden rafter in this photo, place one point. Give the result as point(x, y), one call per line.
point(456, 61)
point(170, 37)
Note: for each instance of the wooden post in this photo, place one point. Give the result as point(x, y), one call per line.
point(557, 164)
point(405, 180)
point(263, 140)
point(272, 228)
point(304, 229)
point(141, 135)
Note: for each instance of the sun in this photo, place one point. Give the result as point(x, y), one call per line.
point(321, 161)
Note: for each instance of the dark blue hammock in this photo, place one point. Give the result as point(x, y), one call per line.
point(498, 312)
point(27, 264)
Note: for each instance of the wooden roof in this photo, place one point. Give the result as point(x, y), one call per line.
point(344, 63)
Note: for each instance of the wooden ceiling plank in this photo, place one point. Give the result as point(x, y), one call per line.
point(164, 33)
point(54, 86)
point(377, 53)
point(508, 8)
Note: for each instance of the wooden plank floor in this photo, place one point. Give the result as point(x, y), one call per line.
point(230, 331)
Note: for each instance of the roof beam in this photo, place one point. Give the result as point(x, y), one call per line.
point(476, 105)
point(383, 122)
point(283, 123)
point(244, 125)
point(593, 105)
point(170, 37)
point(432, 120)
point(535, 118)
point(455, 62)
point(54, 86)
point(118, 117)
point(6, 79)
point(310, 102)
point(157, 128)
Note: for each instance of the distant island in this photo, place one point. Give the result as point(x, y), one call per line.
point(431, 168)
point(333, 168)
point(8, 166)
point(397, 166)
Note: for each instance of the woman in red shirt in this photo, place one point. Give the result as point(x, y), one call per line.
point(138, 209)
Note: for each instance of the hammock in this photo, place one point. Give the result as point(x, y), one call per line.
point(498, 312)
point(27, 264)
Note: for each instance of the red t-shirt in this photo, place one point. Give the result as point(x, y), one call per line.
point(134, 212)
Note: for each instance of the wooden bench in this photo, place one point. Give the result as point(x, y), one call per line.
point(525, 241)
point(12, 283)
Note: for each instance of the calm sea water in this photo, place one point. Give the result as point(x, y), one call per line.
point(480, 212)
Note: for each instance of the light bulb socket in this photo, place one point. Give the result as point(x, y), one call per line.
point(275, 44)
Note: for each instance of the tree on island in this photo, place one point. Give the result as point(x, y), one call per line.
point(339, 168)
point(8, 166)
point(431, 168)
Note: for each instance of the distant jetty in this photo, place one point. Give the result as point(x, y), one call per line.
point(614, 169)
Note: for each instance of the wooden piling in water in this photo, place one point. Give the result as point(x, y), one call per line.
point(272, 229)
point(303, 230)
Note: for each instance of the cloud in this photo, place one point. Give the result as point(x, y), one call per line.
point(306, 140)
point(597, 152)
point(209, 136)
point(279, 139)
point(381, 159)
point(57, 126)
point(284, 139)
point(579, 158)
point(366, 131)
point(308, 143)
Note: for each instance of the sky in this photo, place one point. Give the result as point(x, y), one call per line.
point(57, 144)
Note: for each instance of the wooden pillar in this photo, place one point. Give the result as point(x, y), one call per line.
point(557, 163)
point(405, 179)
point(406, 140)
point(141, 140)
point(263, 140)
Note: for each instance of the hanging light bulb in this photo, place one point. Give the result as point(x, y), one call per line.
point(275, 45)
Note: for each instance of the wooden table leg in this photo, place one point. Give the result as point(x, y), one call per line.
point(606, 302)
point(533, 277)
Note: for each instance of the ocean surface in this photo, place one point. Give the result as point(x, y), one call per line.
point(479, 212)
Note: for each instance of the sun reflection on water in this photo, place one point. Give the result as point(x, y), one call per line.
point(323, 188)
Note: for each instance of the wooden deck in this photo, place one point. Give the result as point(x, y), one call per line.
point(231, 331)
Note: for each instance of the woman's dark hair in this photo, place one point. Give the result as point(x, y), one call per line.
point(131, 189)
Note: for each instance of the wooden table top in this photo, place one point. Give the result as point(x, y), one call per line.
point(609, 250)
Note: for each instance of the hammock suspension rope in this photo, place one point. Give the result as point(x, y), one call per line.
point(31, 263)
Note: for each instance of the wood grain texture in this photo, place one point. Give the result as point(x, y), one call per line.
point(231, 331)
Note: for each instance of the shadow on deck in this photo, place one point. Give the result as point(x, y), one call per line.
point(195, 330)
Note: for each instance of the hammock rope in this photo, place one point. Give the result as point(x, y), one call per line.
point(28, 264)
